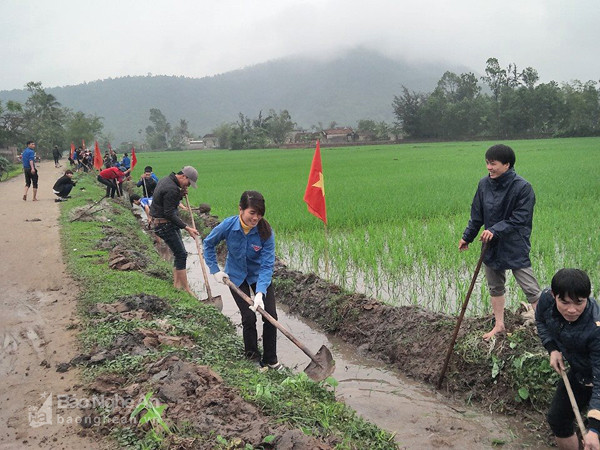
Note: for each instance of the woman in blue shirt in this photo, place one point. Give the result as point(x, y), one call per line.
point(250, 261)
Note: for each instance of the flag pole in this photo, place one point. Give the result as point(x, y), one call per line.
point(326, 253)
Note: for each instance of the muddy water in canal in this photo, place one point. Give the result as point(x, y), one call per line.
point(417, 415)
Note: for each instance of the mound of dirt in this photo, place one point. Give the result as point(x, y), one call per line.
point(126, 259)
point(196, 396)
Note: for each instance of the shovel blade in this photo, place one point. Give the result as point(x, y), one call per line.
point(321, 366)
point(215, 301)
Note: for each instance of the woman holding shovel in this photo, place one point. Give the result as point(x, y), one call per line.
point(250, 261)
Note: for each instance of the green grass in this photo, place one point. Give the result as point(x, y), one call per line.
point(396, 212)
point(291, 399)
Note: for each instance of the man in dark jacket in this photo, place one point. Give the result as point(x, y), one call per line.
point(503, 204)
point(568, 323)
point(56, 155)
point(62, 187)
point(147, 183)
point(167, 223)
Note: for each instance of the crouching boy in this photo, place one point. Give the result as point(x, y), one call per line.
point(568, 323)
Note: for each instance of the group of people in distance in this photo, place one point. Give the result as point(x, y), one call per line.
point(567, 317)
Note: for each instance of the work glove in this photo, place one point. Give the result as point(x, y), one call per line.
point(220, 276)
point(258, 301)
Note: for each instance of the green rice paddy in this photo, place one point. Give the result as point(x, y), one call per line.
point(396, 213)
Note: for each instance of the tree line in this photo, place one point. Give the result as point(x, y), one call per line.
point(515, 106)
point(43, 119)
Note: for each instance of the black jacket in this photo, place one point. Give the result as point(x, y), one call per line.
point(579, 343)
point(505, 207)
point(63, 181)
point(165, 200)
point(148, 186)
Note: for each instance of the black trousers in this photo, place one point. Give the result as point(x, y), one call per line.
point(561, 416)
point(171, 234)
point(111, 186)
point(249, 325)
point(31, 178)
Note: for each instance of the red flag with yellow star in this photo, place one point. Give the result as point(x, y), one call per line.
point(315, 189)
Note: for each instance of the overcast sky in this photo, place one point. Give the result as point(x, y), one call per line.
point(66, 42)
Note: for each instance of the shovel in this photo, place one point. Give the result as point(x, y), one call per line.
point(322, 364)
point(216, 300)
point(460, 317)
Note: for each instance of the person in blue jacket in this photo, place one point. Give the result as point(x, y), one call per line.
point(29, 169)
point(568, 324)
point(503, 204)
point(249, 265)
point(126, 161)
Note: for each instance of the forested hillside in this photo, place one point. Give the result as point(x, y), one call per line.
point(357, 85)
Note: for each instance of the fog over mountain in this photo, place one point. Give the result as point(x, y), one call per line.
point(358, 84)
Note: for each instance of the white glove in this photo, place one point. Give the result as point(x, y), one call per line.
point(258, 301)
point(220, 276)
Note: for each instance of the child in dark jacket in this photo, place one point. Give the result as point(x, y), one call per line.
point(568, 323)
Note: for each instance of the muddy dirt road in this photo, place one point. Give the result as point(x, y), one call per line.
point(37, 323)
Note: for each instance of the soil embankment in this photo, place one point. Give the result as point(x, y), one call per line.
point(38, 324)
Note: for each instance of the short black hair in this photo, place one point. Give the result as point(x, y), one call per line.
point(148, 169)
point(502, 153)
point(30, 142)
point(574, 283)
point(134, 197)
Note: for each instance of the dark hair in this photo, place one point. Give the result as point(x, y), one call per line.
point(134, 197)
point(255, 200)
point(502, 153)
point(30, 142)
point(68, 171)
point(125, 154)
point(148, 169)
point(574, 283)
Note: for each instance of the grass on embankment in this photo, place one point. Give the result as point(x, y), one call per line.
point(290, 399)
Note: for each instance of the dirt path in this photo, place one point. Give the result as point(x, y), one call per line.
point(37, 324)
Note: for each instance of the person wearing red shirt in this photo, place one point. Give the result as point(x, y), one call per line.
point(111, 178)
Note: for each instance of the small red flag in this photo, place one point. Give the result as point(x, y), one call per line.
point(133, 158)
point(109, 146)
point(72, 149)
point(315, 189)
point(97, 157)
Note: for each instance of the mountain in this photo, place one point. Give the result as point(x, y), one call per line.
point(358, 84)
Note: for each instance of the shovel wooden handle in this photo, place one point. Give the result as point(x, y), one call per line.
point(274, 322)
point(200, 253)
point(460, 317)
point(573, 403)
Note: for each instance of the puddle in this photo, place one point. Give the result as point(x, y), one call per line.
point(418, 416)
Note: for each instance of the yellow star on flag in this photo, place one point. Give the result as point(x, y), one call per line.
point(321, 183)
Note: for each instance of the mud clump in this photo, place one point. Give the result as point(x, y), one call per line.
point(145, 302)
point(126, 259)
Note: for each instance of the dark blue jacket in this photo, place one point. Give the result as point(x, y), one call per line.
point(579, 343)
point(505, 207)
point(249, 257)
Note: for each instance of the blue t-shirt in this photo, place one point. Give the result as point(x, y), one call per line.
point(28, 155)
point(145, 201)
point(126, 162)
